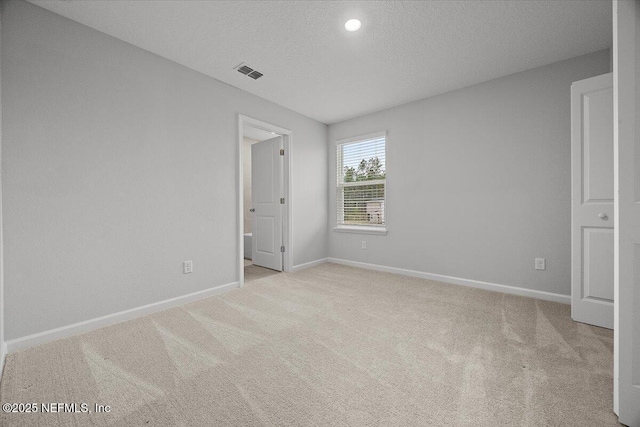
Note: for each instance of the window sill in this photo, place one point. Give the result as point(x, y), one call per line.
point(361, 229)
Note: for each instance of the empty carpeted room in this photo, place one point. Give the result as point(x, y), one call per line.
point(319, 213)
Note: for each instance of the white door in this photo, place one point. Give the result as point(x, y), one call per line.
point(592, 245)
point(266, 191)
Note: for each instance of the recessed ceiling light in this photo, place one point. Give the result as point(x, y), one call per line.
point(352, 25)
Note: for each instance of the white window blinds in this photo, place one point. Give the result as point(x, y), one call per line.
point(361, 181)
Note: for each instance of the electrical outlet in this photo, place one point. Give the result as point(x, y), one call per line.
point(364, 244)
point(187, 267)
point(541, 264)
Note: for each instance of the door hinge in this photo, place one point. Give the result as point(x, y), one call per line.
point(281, 248)
point(282, 200)
point(282, 151)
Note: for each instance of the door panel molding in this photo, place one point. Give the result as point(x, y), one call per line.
point(592, 275)
point(267, 215)
point(590, 256)
point(592, 147)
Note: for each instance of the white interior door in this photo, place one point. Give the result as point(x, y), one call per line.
point(266, 191)
point(592, 244)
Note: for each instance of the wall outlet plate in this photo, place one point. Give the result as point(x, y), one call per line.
point(364, 244)
point(541, 264)
point(187, 267)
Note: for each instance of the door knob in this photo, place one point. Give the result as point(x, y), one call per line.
point(603, 216)
point(252, 210)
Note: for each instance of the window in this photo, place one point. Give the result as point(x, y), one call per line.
point(361, 183)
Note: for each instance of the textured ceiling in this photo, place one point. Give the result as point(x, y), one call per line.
point(405, 51)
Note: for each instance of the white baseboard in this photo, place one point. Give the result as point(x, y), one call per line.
point(99, 322)
point(300, 267)
point(514, 290)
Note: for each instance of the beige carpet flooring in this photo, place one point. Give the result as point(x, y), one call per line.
point(253, 272)
point(331, 345)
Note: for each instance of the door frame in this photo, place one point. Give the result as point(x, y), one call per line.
point(626, 109)
point(287, 229)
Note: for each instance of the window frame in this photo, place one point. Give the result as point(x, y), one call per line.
point(358, 228)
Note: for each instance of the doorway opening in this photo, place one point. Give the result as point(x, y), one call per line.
point(264, 200)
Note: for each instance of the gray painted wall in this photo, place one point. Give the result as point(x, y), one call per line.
point(478, 180)
point(117, 166)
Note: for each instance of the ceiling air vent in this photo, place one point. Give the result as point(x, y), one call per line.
point(245, 70)
point(248, 71)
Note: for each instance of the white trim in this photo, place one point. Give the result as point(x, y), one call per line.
point(3, 308)
point(626, 136)
point(360, 229)
point(306, 265)
point(240, 201)
point(287, 142)
point(361, 138)
point(513, 290)
point(339, 218)
point(246, 120)
point(109, 319)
